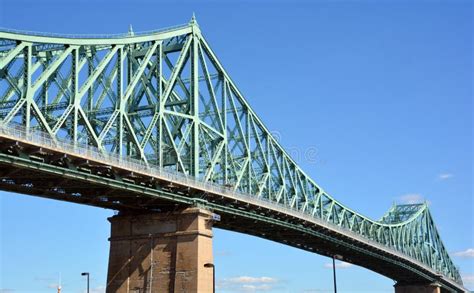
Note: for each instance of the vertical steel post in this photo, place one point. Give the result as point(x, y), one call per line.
point(195, 104)
point(28, 92)
point(224, 130)
point(161, 105)
point(121, 104)
point(75, 101)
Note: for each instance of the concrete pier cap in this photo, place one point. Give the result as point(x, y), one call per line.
point(418, 288)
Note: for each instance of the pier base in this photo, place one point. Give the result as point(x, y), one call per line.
point(162, 252)
point(426, 288)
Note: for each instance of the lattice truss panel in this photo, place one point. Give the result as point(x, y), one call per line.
point(166, 99)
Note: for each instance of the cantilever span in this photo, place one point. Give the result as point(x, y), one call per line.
point(157, 115)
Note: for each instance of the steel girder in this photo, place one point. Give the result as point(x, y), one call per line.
point(165, 98)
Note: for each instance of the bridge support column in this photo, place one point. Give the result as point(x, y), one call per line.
point(162, 252)
point(425, 288)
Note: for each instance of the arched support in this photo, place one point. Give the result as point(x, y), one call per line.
point(161, 252)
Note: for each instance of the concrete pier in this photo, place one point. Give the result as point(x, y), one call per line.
point(162, 252)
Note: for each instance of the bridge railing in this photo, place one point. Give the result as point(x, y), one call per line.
point(92, 36)
point(43, 140)
point(88, 152)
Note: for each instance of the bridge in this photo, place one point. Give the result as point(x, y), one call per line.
point(151, 125)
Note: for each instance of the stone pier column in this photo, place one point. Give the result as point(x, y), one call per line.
point(424, 288)
point(162, 252)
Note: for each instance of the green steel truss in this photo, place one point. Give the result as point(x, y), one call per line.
point(163, 97)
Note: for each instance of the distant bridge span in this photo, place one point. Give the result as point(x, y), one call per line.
point(152, 123)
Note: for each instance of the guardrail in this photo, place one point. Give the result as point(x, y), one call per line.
point(42, 139)
point(89, 152)
point(92, 36)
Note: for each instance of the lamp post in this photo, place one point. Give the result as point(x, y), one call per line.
point(334, 257)
point(86, 274)
point(210, 265)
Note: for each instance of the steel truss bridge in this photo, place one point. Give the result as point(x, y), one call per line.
point(152, 122)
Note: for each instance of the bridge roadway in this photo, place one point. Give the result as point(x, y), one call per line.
point(32, 163)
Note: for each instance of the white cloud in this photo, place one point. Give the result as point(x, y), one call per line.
point(53, 286)
point(7, 290)
point(468, 253)
point(445, 176)
point(411, 198)
point(339, 265)
point(245, 279)
point(468, 279)
point(98, 289)
point(254, 288)
point(248, 284)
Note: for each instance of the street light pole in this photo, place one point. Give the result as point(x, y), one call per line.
point(334, 272)
point(86, 274)
point(210, 265)
point(334, 257)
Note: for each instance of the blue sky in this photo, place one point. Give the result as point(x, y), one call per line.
point(374, 99)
